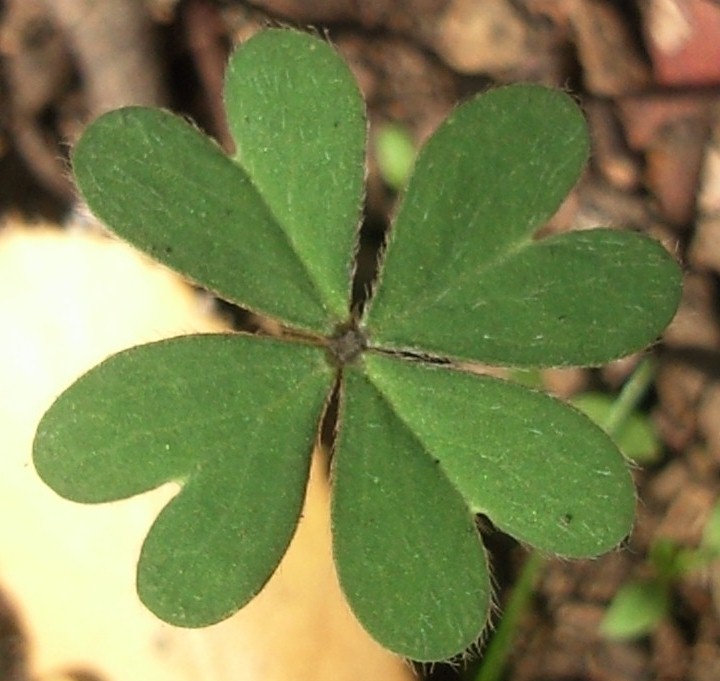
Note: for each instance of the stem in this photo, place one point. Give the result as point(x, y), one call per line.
point(498, 650)
point(630, 396)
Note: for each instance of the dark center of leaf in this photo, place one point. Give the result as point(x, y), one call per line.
point(346, 344)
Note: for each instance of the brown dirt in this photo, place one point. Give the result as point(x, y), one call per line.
point(647, 75)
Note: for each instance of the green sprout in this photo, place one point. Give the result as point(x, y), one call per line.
point(395, 151)
point(640, 605)
point(620, 417)
point(422, 446)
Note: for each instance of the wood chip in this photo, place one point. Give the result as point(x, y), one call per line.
point(682, 38)
point(608, 51)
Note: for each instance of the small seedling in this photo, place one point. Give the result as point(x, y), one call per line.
point(395, 152)
point(639, 606)
point(421, 447)
point(620, 417)
point(636, 437)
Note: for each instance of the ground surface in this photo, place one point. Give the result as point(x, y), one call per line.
point(648, 76)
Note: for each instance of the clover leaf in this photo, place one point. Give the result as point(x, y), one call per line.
point(422, 446)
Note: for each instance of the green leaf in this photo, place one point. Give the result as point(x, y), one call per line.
point(635, 437)
point(395, 151)
point(170, 191)
point(638, 607)
point(231, 419)
point(463, 276)
point(711, 533)
point(409, 557)
point(273, 230)
point(421, 448)
point(542, 472)
point(298, 120)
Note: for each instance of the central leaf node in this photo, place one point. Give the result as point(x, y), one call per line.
point(346, 344)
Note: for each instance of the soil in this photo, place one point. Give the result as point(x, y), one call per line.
point(647, 73)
